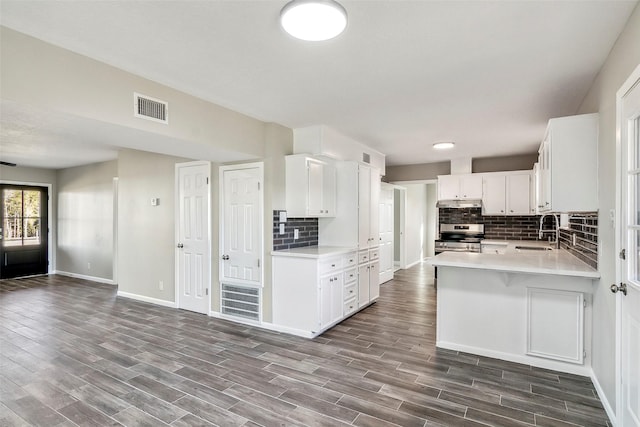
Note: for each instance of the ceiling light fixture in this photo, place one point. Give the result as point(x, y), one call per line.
point(313, 20)
point(443, 145)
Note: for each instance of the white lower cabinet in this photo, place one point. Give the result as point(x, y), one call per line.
point(555, 324)
point(312, 293)
point(368, 276)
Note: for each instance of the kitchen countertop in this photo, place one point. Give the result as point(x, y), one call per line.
point(314, 251)
point(557, 261)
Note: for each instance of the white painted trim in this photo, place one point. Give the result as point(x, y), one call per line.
point(51, 254)
point(176, 229)
point(525, 360)
point(150, 300)
point(85, 277)
point(619, 234)
point(603, 399)
point(115, 183)
point(221, 171)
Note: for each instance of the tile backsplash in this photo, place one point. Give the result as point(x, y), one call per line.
point(526, 227)
point(307, 229)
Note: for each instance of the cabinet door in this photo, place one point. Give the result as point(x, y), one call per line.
point(329, 190)
point(448, 187)
point(374, 209)
point(374, 281)
point(337, 298)
point(325, 301)
point(364, 206)
point(315, 182)
point(363, 285)
point(555, 324)
point(493, 195)
point(518, 188)
point(544, 159)
point(470, 187)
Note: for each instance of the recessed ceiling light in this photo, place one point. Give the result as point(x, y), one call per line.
point(313, 20)
point(443, 145)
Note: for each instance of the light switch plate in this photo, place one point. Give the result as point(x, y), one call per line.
point(281, 229)
point(296, 234)
point(283, 216)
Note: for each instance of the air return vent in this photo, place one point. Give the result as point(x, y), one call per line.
point(150, 108)
point(241, 301)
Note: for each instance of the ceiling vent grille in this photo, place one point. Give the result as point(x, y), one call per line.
point(149, 108)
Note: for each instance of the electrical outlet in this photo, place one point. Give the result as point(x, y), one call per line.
point(296, 234)
point(161, 285)
point(281, 229)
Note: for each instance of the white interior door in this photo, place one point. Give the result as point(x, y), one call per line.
point(628, 288)
point(386, 232)
point(193, 243)
point(242, 225)
point(399, 249)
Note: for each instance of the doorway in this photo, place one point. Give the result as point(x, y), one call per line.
point(399, 247)
point(25, 229)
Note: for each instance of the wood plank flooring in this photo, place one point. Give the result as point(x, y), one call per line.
point(72, 353)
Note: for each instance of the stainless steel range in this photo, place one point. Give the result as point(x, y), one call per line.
point(459, 238)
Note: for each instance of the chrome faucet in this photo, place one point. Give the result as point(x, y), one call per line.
point(541, 232)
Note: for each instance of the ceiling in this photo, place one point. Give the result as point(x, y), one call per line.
point(404, 75)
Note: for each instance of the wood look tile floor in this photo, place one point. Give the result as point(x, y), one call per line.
point(72, 353)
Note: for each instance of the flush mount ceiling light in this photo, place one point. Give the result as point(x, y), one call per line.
point(313, 20)
point(443, 145)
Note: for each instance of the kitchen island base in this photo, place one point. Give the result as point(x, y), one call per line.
point(542, 320)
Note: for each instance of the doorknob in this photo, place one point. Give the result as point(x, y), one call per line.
point(180, 246)
point(225, 257)
point(621, 288)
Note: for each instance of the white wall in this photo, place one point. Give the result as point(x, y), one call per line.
point(432, 219)
point(38, 176)
point(416, 222)
point(622, 60)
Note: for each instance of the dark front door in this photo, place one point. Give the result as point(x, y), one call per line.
point(24, 233)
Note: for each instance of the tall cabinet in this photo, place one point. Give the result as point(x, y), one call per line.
point(357, 223)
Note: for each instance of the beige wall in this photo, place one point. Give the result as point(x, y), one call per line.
point(505, 163)
point(622, 60)
point(418, 172)
point(86, 219)
point(146, 234)
point(38, 176)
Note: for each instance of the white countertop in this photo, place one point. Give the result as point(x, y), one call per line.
point(557, 262)
point(314, 251)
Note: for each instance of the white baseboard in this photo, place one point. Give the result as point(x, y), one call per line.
point(603, 398)
point(263, 325)
point(85, 277)
point(523, 359)
point(143, 298)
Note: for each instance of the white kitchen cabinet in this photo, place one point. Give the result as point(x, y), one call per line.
point(568, 165)
point(555, 324)
point(506, 193)
point(313, 293)
point(357, 222)
point(368, 276)
point(460, 187)
point(310, 186)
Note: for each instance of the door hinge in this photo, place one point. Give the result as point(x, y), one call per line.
point(584, 303)
point(207, 180)
point(584, 354)
point(258, 186)
point(623, 254)
point(206, 291)
point(258, 262)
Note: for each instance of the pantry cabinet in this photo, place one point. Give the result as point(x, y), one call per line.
point(568, 165)
point(310, 186)
point(368, 276)
point(506, 193)
point(460, 187)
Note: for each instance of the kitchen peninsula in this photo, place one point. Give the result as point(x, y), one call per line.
point(530, 305)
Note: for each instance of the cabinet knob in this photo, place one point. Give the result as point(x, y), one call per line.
point(511, 210)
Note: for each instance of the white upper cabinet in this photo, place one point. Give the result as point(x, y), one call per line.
point(460, 187)
point(310, 186)
point(506, 193)
point(568, 165)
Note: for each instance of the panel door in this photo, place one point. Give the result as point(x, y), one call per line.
point(23, 231)
point(242, 226)
point(193, 248)
point(628, 290)
point(386, 232)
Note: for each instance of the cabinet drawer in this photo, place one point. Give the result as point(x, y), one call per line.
point(350, 306)
point(374, 254)
point(350, 275)
point(363, 257)
point(350, 260)
point(350, 291)
point(331, 265)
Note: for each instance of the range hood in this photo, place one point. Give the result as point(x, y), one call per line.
point(460, 203)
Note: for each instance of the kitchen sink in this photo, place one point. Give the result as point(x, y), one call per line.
point(534, 248)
